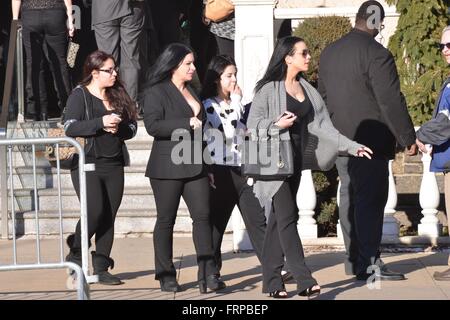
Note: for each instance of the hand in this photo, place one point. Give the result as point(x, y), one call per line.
point(236, 90)
point(112, 130)
point(411, 150)
point(211, 180)
point(286, 120)
point(195, 123)
point(71, 28)
point(421, 146)
point(111, 120)
point(364, 152)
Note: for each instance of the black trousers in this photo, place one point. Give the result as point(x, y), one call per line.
point(45, 28)
point(282, 237)
point(195, 192)
point(232, 189)
point(363, 196)
point(225, 46)
point(122, 39)
point(104, 188)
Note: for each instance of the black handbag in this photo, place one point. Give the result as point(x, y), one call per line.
point(269, 158)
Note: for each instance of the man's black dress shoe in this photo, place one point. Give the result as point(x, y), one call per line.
point(169, 285)
point(384, 274)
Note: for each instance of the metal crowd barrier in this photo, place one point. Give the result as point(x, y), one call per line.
point(82, 274)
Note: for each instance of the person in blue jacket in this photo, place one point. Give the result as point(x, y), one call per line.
point(437, 133)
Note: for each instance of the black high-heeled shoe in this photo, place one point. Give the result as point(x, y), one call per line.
point(213, 282)
point(170, 285)
point(278, 294)
point(310, 292)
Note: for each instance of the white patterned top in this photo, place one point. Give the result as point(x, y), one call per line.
point(224, 130)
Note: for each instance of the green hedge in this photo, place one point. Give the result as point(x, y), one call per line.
point(318, 33)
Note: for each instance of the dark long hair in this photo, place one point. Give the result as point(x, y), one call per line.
point(215, 69)
point(277, 69)
point(166, 63)
point(118, 98)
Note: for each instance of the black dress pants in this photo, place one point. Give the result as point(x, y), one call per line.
point(232, 189)
point(364, 192)
point(104, 188)
point(195, 192)
point(282, 236)
point(45, 27)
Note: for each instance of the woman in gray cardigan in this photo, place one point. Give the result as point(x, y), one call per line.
point(289, 106)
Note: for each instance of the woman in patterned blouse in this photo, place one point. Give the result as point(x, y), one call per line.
point(224, 131)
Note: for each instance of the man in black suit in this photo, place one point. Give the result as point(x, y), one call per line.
point(358, 80)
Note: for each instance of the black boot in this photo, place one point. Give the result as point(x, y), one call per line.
point(74, 253)
point(101, 264)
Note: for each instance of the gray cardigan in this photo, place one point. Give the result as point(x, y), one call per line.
point(321, 143)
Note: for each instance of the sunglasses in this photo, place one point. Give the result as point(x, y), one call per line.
point(305, 53)
point(110, 70)
point(443, 45)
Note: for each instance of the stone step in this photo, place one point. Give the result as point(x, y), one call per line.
point(128, 221)
point(48, 199)
point(46, 177)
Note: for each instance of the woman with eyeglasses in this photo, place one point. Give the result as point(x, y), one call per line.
point(286, 105)
point(437, 133)
point(172, 111)
point(101, 111)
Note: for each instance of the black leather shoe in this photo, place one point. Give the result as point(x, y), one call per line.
point(106, 278)
point(385, 275)
point(213, 282)
point(169, 285)
point(442, 276)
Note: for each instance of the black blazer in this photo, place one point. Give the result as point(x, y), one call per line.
point(359, 82)
point(165, 110)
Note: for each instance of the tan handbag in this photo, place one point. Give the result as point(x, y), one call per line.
point(72, 51)
point(218, 10)
point(66, 150)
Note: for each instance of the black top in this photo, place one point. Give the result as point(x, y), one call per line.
point(107, 147)
point(165, 111)
point(102, 148)
point(42, 4)
point(300, 109)
point(359, 82)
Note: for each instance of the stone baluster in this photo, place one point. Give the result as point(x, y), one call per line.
point(429, 200)
point(338, 199)
point(306, 202)
point(390, 224)
point(241, 241)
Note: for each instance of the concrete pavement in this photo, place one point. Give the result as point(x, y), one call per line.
point(241, 272)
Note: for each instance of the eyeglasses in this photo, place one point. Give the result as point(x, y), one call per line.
point(443, 45)
point(110, 70)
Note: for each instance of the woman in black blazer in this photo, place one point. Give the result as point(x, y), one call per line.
point(175, 169)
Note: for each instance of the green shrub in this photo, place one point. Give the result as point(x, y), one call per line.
point(419, 62)
point(318, 33)
point(326, 211)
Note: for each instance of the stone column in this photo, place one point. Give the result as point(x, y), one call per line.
point(253, 46)
point(254, 42)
